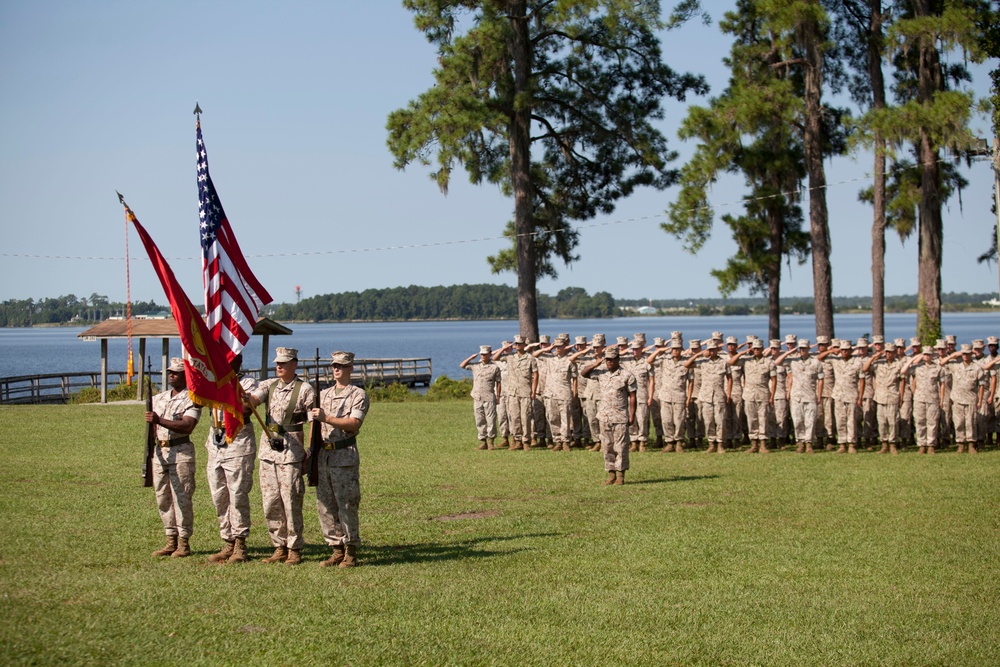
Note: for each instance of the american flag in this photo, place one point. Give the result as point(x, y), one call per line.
point(233, 296)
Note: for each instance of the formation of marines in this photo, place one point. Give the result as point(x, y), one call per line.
point(288, 402)
point(723, 394)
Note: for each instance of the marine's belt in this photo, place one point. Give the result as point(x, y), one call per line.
point(341, 444)
point(281, 430)
point(174, 442)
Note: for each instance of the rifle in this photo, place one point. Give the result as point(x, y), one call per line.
point(147, 463)
point(315, 434)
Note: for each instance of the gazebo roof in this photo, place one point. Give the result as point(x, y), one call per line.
point(165, 328)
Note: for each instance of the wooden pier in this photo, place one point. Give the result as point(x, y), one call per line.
point(59, 387)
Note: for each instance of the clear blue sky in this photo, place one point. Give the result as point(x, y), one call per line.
point(98, 97)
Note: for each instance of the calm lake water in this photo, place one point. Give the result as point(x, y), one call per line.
point(58, 350)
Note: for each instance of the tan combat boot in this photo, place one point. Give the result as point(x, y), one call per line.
point(505, 444)
point(972, 448)
point(482, 445)
point(800, 448)
point(763, 447)
point(851, 449)
point(634, 447)
point(809, 448)
point(183, 549)
point(489, 444)
point(642, 445)
point(961, 447)
point(893, 449)
point(350, 556)
point(679, 448)
point(619, 478)
point(566, 447)
point(336, 558)
point(223, 555)
point(753, 447)
point(168, 548)
point(885, 448)
point(921, 450)
point(280, 555)
point(842, 449)
point(239, 551)
point(294, 557)
point(930, 449)
point(669, 447)
point(611, 478)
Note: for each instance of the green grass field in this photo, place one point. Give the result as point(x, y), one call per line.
point(497, 558)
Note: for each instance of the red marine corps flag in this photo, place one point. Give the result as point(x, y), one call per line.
point(211, 381)
point(233, 295)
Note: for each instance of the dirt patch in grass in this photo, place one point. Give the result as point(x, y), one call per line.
point(467, 515)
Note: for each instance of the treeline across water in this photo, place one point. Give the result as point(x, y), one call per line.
point(464, 302)
point(457, 302)
point(69, 309)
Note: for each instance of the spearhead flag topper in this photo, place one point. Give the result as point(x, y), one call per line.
point(211, 381)
point(233, 295)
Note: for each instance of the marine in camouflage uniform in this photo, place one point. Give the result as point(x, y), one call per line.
point(230, 477)
point(539, 419)
point(847, 376)
point(669, 381)
point(618, 401)
point(561, 387)
point(341, 412)
point(779, 425)
point(928, 381)
point(825, 422)
point(486, 390)
point(760, 382)
point(591, 393)
point(805, 379)
point(886, 372)
point(993, 422)
point(287, 398)
point(175, 417)
point(713, 395)
point(736, 417)
point(967, 390)
point(522, 386)
point(503, 418)
point(635, 363)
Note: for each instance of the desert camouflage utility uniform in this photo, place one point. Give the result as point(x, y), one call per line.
point(338, 492)
point(173, 465)
point(230, 473)
point(281, 484)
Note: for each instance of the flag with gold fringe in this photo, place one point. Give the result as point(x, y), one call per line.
point(211, 381)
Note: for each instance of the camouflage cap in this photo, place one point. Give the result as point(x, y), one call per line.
point(978, 344)
point(915, 342)
point(659, 342)
point(862, 342)
point(544, 338)
point(694, 342)
point(940, 344)
point(676, 345)
point(581, 340)
point(822, 340)
point(774, 342)
point(598, 339)
point(636, 344)
point(341, 358)
point(283, 355)
point(877, 339)
point(927, 349)
point(757, 344)
point(899, 342)
point(621, 340)
point(640, 336)
point(890, 347)
point(844, 345)
point(520, 340)
point(506, 343)
point(711, 344)
point(949, 339)
point(485, 349)
point(790, 339)
point(611, 353)
point(803, 343)
point(676, 334)
point(992, 340)
point(717, 335)
point(732, 340)
point(966, 348)
point(176, 365)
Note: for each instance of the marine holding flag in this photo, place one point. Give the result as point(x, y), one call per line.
point(210, 382)
point(287, 398)
point(233, 298)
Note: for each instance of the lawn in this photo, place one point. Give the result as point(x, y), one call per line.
point(480, 558)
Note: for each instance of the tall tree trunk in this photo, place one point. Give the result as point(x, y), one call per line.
point(520, 158)
point(929, 81)
point(819, 228)
point(875, 48)
point(776, 226)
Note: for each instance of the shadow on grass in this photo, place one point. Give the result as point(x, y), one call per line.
point(430, 552)
point(676, 478)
